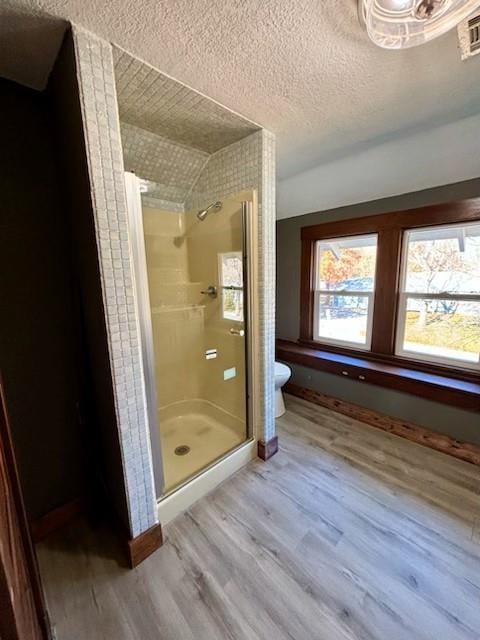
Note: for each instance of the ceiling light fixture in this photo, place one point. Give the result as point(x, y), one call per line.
point(400, 24)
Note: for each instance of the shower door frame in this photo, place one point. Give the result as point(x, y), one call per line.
point(250, 309)
point(142, 301)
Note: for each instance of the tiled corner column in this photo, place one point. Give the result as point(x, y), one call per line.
point(266, 273)
point(105, 163)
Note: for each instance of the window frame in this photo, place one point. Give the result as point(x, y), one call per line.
point(342, 292)
point(404, 296)
point(390, 228)
point(223, 288)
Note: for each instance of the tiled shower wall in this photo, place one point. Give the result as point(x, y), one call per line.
point(172, 166)
point(248, 163)
point(105, 164)
point(155, 102)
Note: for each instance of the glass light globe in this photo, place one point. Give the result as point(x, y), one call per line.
point(399, 24)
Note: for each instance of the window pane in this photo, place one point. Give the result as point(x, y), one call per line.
point(231, 269)
point(443, 259)
point(233, 304)
point(443, 329)
point(346, 263)
point(343, 318)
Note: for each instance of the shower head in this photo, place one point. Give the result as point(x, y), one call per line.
point(203, 213)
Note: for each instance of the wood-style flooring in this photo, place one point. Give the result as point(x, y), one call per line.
point(348, 533)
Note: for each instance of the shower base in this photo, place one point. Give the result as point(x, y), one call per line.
point(193, 434)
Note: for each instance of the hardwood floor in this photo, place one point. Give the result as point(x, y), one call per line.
point(347, 533)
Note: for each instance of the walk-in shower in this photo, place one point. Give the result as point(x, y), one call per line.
point(195, 329)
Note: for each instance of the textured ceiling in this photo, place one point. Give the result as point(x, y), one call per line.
point(29, 43)
point(302, 68)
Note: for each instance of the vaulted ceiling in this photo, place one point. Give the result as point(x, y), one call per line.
point(302, 68)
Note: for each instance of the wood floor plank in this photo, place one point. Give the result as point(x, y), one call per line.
point(348, 533)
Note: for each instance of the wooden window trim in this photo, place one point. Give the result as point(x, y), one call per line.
point(390, 228)
point(462, 394)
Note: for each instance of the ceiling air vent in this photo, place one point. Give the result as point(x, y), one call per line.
point(469, 36)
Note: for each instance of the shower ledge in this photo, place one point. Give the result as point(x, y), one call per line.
point(179, 283)
point(172, 308)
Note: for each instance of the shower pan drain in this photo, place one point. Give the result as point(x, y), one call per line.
point(182, 450)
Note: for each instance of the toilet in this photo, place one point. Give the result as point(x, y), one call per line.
point(282, 375)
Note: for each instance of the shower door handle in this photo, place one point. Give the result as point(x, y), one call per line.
point(237, 332)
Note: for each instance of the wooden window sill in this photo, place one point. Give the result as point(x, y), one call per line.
point(446, 390)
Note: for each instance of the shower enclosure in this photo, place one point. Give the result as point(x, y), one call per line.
point(178, 312)
point(193, 281)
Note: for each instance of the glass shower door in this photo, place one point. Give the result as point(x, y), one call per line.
point(196, 266)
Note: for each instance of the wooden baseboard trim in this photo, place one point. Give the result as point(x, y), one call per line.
point(42, 527)
point(139, 548)
point(268, 449)
point(443, 443)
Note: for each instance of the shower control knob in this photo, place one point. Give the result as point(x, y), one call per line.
point(237, 332)
point(210, 291)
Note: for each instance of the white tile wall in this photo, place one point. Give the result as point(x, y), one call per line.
point(267, 280)
point(173, 167)
point(153, 101)
point(105, 164)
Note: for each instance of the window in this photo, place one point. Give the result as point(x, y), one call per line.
point(344, 285)
point(439, 301)
point(230, 267)
point(401, 288)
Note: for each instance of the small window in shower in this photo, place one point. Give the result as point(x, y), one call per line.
point(230, 267)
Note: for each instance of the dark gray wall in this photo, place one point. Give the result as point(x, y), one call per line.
point(38, 349)
point(97, 402)
point(441, 418)
point(459, 424)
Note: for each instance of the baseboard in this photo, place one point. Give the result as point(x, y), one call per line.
point(42, 527)
point(268, 449)
point(443, 443)
point(139, 548)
